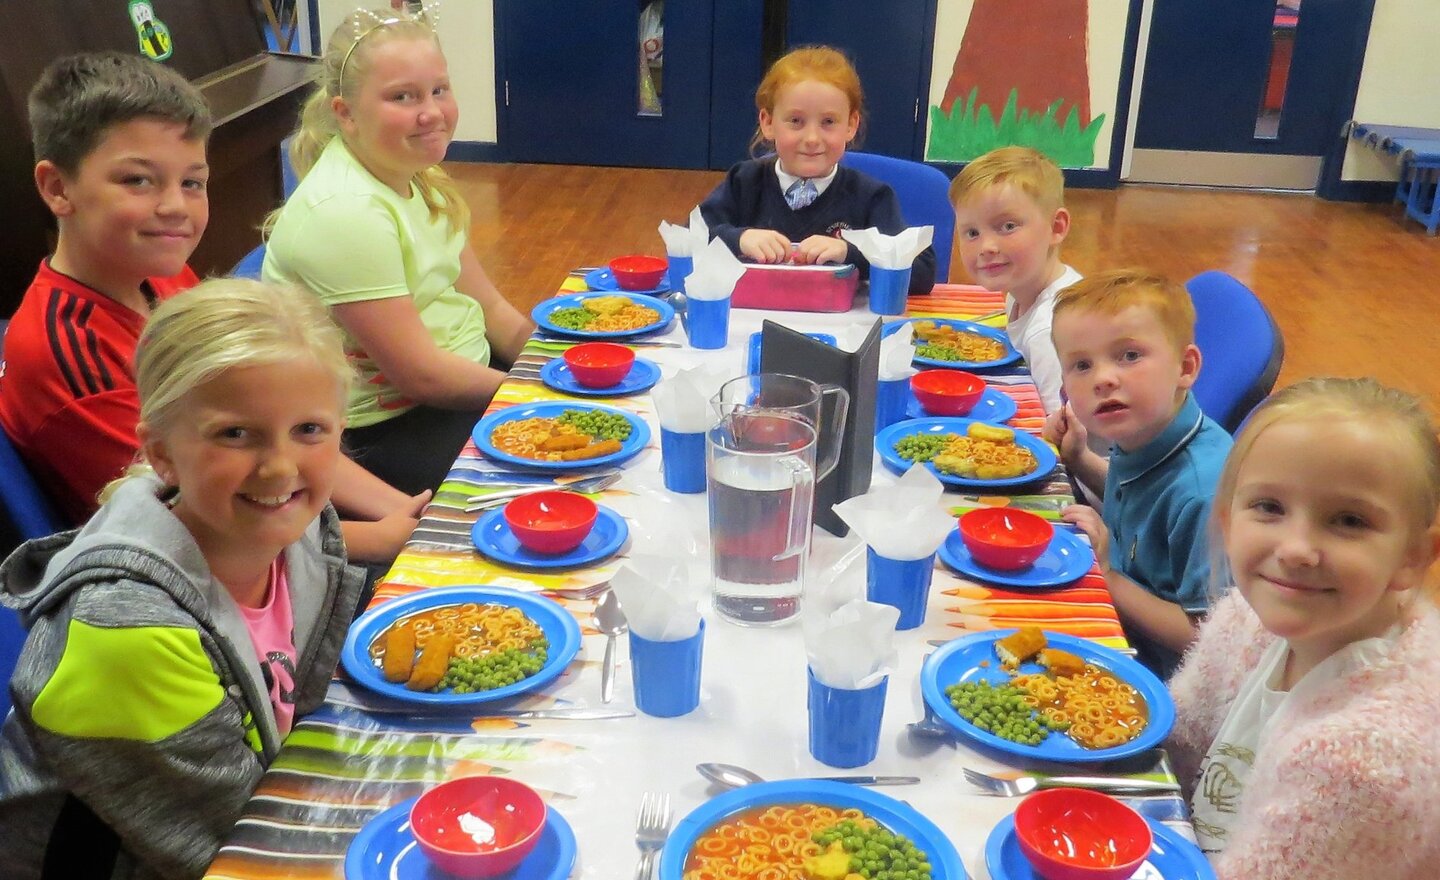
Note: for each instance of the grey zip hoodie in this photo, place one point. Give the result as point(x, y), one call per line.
point(142, 720)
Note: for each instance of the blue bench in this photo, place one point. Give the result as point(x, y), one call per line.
point(1419, 152)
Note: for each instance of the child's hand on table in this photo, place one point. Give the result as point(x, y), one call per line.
point(821, 249)
point(395, 527)
point(764, 246)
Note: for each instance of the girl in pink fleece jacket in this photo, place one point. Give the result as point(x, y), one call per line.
point(1309, 708)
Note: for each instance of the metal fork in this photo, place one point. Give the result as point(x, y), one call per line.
point(1024, 785)
point(651, 828)
point(581, 593)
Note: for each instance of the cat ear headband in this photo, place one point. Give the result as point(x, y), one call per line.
point(367, 22)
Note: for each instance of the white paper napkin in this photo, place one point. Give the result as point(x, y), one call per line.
point(682, 401)
point(685, 241)
point(716, 272)
point(897, 354)
point(902, 521)
point(660, 600)
point(890, 251)
point(852, 647)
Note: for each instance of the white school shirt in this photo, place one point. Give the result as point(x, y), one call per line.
point(1215, 806)
point(1030, 334)
point(787, 180)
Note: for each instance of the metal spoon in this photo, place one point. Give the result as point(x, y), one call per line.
point(732, 776)
point(610, 620)
point(930, 726)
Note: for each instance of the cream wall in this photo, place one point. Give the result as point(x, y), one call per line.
point(467, 31)
point(1398, 84)
point(1106, 46)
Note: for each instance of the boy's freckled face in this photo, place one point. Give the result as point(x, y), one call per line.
point(1008, 243)
point(137, 202)
point(810, 127)
point(1122, 374)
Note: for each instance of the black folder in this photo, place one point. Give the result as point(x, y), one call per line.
point(783, 350)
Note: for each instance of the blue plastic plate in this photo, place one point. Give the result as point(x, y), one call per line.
point(541, 314)
point(752, 360)
point(494, 538)
point(631, 447)
point(887, 438)
point(642, 377)
point(898, 817)
point(959, 660)
point(995, 406)
point(558, 625)
point(386, 850)
point(1010, 356)
point(1065, 561)
point(603, 279)
point(1172, 857)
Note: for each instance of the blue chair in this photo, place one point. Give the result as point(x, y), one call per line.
point(25, 513)
point(249, 265)
point(924, 194)
point(1240, 345)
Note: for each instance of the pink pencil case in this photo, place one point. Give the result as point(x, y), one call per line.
point(783, 286)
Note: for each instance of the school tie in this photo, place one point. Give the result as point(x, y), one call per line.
point(800, 194)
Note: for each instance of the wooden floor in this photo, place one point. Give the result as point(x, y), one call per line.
point(1355, 290)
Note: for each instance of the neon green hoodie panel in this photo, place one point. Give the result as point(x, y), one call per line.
point(140, 683)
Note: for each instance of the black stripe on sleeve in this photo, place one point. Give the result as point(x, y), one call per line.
point(53, 325)
point(92, 343)
point(71, 315)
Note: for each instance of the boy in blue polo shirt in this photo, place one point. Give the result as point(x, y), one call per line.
point(1126, 342)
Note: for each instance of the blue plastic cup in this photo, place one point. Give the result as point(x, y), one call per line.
point(892, 397)
point(903, 583)
point(666, 675)
point(845, 724)
point(682, 460)
point(888, 290)
point(707, 322)
point(680, 269)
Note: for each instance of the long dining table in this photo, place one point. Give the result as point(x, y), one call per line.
point(358, 755)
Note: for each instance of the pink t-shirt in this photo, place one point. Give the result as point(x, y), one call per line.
point(272, 630)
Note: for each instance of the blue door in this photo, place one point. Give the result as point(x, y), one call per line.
point(1246, 93)
point(605, 82)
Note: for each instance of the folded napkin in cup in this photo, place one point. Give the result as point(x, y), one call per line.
point(660, 599)
point(896, 251)
point(685, 241)
point(682, 401)
point(897, 354)
point(852, 647)
point(901, 521)
point(716, 272)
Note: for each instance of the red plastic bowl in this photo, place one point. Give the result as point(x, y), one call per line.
point(1005, 538)
point(513, 810)
point(599, 364)
point(1072, 834)
point(639, 271)
point(552, 521)
point(947, 392)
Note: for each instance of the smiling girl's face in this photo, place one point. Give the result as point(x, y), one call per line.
point(810, 125)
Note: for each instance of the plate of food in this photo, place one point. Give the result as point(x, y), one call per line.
point(966, 452)
point(823, 823)
point(1172, 857)
point(385, 849)
point(946, 342)
point(460, 646)
point(603, 316)
point(1046, 696)
point(561, 435)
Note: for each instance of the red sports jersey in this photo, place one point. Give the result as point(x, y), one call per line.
point(67, 390)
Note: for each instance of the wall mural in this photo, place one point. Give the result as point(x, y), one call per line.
point(1021, 76)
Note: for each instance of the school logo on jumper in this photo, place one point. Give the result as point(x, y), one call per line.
point(154, 36)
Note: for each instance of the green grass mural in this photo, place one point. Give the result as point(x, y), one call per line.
point(969, 131)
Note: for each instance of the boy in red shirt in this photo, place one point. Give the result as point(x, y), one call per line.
point(120, 160)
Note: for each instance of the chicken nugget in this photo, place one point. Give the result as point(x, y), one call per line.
point(1020, 646)
point(399, 655)
point(605, 305)
point(1061, 662)
point(434, 661)
point(563, 442)
point(594, 450)
point(993, 433)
